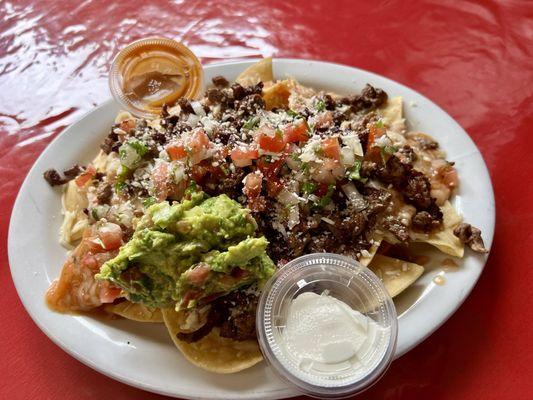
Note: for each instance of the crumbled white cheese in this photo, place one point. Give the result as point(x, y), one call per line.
point(309, 150)
point(352, 141)
point(192, 120)
point(383, 141)
point(198, 108)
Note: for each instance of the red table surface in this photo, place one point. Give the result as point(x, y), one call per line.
point(475, 59)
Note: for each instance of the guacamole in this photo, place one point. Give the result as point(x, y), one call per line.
point(191, 252)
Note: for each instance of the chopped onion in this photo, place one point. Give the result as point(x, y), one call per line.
point(347, 156)
point(353, 142)
point(294, 217)
point(193, 120)
point(293, 164)
point(209, 125)
point(287, 198)
point(354, 196)
point(179, 173)
point(198, 108)
point(383, 141)
point(128, 155)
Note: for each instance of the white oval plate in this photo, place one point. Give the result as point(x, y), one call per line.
point(143, 355)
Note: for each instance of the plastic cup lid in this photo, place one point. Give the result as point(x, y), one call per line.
point(348, 281)
point(149, 73)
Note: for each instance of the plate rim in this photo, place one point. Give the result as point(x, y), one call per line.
point(289, 392)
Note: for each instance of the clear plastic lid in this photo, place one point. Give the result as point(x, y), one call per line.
point(152, 72)
point(343, 279)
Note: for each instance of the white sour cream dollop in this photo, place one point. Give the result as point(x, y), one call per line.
point(321, 330)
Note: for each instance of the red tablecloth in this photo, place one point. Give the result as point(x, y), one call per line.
point(475, 60)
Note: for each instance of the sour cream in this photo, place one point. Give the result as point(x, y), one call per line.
point(327, 325)
point(324, 335)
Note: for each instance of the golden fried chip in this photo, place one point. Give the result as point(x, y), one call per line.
point(366, 259)
point(261, 71)
point(396, 275)
point(135, 311)
point(444, 240)
point(213, 352)
point(277, 95)
point(392, 113)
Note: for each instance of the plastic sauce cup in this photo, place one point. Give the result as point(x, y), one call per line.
point(152, 72)
point(348, 281)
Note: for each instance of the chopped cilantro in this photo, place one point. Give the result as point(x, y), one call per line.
point(149, 201)
point(387, 150)
point(279, 133)
point(319, 151)
point(295, 157)
point(120, 186)
point(224, 169)
point(320, 106)
point(379, 124)
point(193, 187)
point(139, 147)
point(305, 168)
point(308, 187)
point(94, 213)
point(354, 173)
point(294, 114)
point(326, 199)
point(251, 123)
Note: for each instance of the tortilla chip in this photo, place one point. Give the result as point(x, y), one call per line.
point(444, 240)
point(364, 261)
point(135, 311)
point(261, 71)
point(392, 113)
point(396, 275)
point(214, 353)
point(277, 95)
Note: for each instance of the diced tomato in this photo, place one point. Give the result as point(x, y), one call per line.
point(373, 154)
point(176, 151)
point(269, 139)
point(198, 274)
point(89, 261)
point(322, 189)
point(242, 157)
point(199, 141)
point(374, 133)
point(86, 176)
point(161, 180)
point(271, 169)
point(296, 132)
point(323, 120)
point(198, 172)
point(190, 295)
point(109, 293)
point(127, 125)
point(198, 145)
point(273, 186)
point(95, 245)
point(111, 236)
point(257, 204)
point(331, 148)
point(252, 184)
